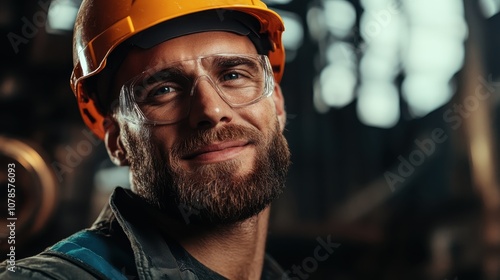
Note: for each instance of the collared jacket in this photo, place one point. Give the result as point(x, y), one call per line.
point(121, 244)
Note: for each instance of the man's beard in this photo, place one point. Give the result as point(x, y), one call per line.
point(213, 194)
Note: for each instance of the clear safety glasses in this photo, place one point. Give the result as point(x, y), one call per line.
point(163, 95)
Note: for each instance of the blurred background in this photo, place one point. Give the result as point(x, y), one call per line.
point(392, 122)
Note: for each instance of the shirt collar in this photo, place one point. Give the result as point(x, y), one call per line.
point(154, 257)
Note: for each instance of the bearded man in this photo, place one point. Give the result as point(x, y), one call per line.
point(186, 93)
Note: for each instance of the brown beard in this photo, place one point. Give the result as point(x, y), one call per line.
point(212, 194)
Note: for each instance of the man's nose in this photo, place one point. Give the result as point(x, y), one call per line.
point(208, 109)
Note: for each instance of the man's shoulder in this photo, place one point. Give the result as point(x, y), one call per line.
point(87, 254)
point(43, 266)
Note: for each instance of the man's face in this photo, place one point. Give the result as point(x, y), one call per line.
point(219, 164)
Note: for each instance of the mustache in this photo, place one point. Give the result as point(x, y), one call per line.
point(227, 132)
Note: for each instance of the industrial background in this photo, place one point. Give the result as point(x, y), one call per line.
point(392, 122)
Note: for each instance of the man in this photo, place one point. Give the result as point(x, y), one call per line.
point(185, 93)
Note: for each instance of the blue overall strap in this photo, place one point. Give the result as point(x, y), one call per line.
point(92, 250)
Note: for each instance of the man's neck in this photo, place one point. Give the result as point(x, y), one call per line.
point(235, 251)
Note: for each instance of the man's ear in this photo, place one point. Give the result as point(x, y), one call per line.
point(113, 142)
point(279, 103)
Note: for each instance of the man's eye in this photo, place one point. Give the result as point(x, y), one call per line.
point(231, 76)
point(163, 90)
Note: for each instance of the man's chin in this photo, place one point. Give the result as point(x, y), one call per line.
point(203, 217)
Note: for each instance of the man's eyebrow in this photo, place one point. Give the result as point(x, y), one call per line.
point(170, 72)
point(233, 61)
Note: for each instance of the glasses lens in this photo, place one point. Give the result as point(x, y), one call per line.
point(164, 96)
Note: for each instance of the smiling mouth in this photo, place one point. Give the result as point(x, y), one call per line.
point(217, 151)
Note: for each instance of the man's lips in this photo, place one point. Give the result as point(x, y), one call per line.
point(217, 151)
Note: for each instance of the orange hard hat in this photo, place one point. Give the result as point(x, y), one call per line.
point(101, 26)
